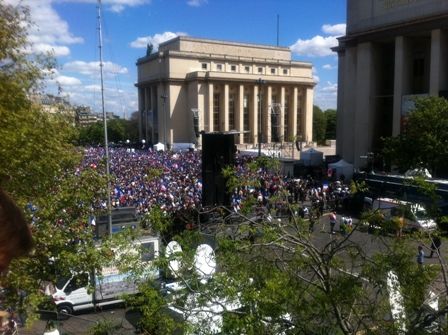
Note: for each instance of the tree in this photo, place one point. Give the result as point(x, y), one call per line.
point(275, 278)
point(39, 169)
point(34, 145)
point(119, 130)
point(422, 143)
point(330, 115)
point(319, 125)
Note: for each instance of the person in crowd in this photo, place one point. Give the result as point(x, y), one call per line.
point(420, 255)
point(333, 220)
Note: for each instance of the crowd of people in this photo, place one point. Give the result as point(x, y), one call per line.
point(172, 181)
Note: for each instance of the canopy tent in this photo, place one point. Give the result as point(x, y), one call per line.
point(342, 168)
point(159, 147)
point(312, 157)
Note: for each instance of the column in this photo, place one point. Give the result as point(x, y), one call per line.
point(293, 113)
point(401, 80)
point(267, 101)
point(307, 113)
point(253, 115)
point(162, 111)
point(365, 105)
point(225, 110)
point(438, 79)
point(282, 115)
point(340, 120)
point(239, 114)
point(146, 112)
point(141, 108)
point(209, 114)
point(349, 98)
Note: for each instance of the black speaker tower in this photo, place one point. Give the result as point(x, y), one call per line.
point(218, 151)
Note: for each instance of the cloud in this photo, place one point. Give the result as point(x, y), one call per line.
point(155, 40)
point(320, 46)
point(196, 3)
point(92, 69)
point(328, 67)
point(116, 6)
point(325, 96)
point(54, 50)
point(334, 30)
point(65, 81)
point(330, 87)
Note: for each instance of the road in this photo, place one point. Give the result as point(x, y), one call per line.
point(125, 321)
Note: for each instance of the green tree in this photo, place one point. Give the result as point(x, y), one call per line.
point(422, 144)
point(119, 130)
point(330, 115)
point(319, 125)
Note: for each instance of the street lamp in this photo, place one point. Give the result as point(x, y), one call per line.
point(260, 82)
point(164, 97)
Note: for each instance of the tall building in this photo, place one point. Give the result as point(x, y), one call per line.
point(393, 51)
point(192, 85)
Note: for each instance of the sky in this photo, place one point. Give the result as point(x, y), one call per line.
point(69, 30)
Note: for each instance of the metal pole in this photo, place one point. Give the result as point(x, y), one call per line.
point(106, 141)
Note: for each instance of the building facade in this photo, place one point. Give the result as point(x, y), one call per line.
point(394, 50)
point(192, 85)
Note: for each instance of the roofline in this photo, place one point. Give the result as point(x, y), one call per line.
point(197, 39)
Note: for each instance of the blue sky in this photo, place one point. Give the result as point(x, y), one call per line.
point(68, 28)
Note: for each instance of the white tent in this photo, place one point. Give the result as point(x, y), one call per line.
point(311, 157)
point(159, 147)
point(342, 168)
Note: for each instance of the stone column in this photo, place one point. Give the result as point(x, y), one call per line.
point(293, 113)
point(349, 98)
point(308, 114)
point(209, 114)
point(225, 110)
point(253, 115)
point(401, 80)
point(340, 120)
point(239, 114)
point(147, 135)
point(267, 126)
point(282, 115)
point(365, 104)
point(141, 108)
point(438, 79)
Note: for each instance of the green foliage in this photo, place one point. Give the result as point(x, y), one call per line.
point(319, 125)
point(330, 133)
point(105, 327)
point(423, 142)
point(118, 131)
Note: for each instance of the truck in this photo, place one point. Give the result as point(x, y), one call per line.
point(109, 285)
point(414, 214)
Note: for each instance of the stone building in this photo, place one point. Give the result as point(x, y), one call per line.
point(192, 85)
point(393, 51)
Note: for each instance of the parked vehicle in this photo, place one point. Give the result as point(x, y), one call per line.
point(414, 215)
point(109, 285)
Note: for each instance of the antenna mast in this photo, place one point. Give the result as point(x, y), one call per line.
point(106, 141)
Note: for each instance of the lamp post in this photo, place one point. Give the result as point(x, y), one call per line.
point(164, 97)
point(260, 82)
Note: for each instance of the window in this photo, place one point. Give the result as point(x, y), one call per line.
point(246, 118)
point(219, 67)
point(285, 71)
point(260, 70)
point(233, 68)
point(247, 69)
point(232, 124)
point(204, 66)
point(272, 71)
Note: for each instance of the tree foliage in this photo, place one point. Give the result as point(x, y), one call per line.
point(330, 115)
point(118, 131)
point(319, 125)
point(422, 143)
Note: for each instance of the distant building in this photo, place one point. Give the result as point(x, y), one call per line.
point(192, 85)
point(84, 116)
point(394, 50)
point(54, 104)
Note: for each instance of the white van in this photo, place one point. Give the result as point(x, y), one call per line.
point(415, 216)
point(72, 293)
